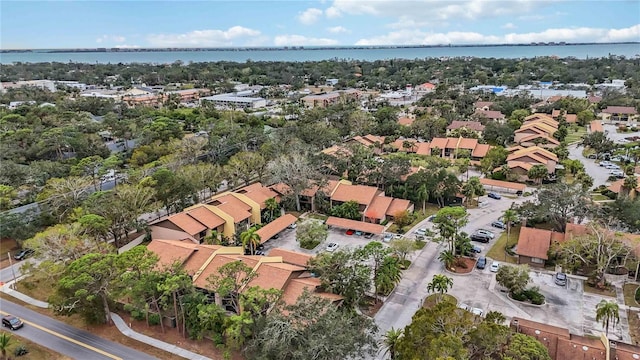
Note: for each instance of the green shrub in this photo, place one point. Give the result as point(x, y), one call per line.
point(154, 319)
point(520, 296)
point(638, 294)
point(610, 194)
point(309, 244)
point(21, 350)
point(137, 314)
point(535, 296)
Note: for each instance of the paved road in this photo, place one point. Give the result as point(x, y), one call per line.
point(66, 339)
point(598, 173)
point(400, 307)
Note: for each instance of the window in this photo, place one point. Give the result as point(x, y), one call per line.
point(537, 260)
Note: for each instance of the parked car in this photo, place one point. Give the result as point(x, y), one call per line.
point(421, 231)
point(331, 247)
point(260, 252)
point(480, 238)
point(387, 237)
point(368, 235)
point(477, 311)
point(605, 163)
point(494, 196)
point(482, 263)
point(12, 322)
point(560, 279)
point(477, 249)
point(499, 224)
point(293, 226)
point(494, 266)
point(591, 156)
point(359, 233)
point(24, 253)
point(350, 232)
point(464, 306)
point(486, 232)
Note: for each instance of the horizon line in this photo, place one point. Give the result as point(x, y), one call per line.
point(314, 47)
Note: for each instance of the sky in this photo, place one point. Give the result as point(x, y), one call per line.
point(147, 24)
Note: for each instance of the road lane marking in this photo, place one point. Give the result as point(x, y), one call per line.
point(68, 338)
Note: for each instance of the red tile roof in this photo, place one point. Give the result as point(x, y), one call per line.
point(481, 150)
point(206, 217)
point(595, 125)
point(268, 231)
point(406, 121)
point(491, 114)
point(291, 257)
point(171, 251)
point(626, 110)
point(233, 206)
point(163, 233)
point(398, 205)
point(258, 193)
point(378, 207)
point(355, 225)
point(471, 125)
point(534, 242)
point(359, 193)
point(185, 222)
point(503, 184)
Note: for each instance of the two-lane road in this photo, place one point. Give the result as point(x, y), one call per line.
point(66, 339)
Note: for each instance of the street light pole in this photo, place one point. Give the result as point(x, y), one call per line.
point(12, 271)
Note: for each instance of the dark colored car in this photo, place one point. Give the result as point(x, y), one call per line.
point(499, 224)
point(480, 238)
point(23, 254)
point(368, 235)
point(482, 262)
point(494, 196)
point(12, 322)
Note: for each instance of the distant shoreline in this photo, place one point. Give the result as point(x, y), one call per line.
point(294, 48)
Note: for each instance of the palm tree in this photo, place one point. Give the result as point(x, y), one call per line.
point(630, 184)
point(473, 187)
point(537, 173)
point(495, 317)
point(609, 313)
point(447, 257)
point(250, 239)
point(423, 194)
point(508, 217)
point(272, 205)
point(440, 284)
point(390, 341)
point(388, 275)
point(5, 341)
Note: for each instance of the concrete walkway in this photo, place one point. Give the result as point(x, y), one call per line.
point(120, 324)
point(127, 331)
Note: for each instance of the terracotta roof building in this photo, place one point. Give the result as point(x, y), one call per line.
point(279, 270)
point(595, 126)
point(373, 204)
point(533, 245)
point(491, 115)
point(562, 345)
point(619, 113)
point(520, 160)
point(469, 125)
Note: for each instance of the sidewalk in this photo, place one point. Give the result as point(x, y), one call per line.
point(120, 324)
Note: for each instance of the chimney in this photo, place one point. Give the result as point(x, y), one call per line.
point(516, 325)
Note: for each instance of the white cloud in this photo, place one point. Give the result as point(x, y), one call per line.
point(332, 12)
point(309, 16)
point(337, 30)
point(111, 38)
point(204, 37)
point(125, 46)
point(437, 11)
point(300, 40)
point(509, 26)
point(583, 34)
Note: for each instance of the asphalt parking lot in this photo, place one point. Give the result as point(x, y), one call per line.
point(287, 240)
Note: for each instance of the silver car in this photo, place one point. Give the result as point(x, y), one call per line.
point(486, 233)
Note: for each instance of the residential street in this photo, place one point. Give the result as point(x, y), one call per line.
point(66, 339)
point(402, 304)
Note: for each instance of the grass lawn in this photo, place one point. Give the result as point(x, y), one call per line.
point(497, 250)
point(629, 295)
point(574, 136)
point(317, 216)
point(35, 351)
point(603, 292)
point(37, 286)
point(634, 326)
point(599, 197)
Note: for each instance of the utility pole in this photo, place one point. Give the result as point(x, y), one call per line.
point(13, 272)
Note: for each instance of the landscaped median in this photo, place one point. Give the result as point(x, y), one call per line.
point(497, 251)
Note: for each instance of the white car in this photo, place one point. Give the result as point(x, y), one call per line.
point(293, 226)
point(421, 231)
point(331, 247)
point(612, 167)
point(605, 163)
point(477, 311)
point(486, 233)
point(494, 266)
point(387, 237)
